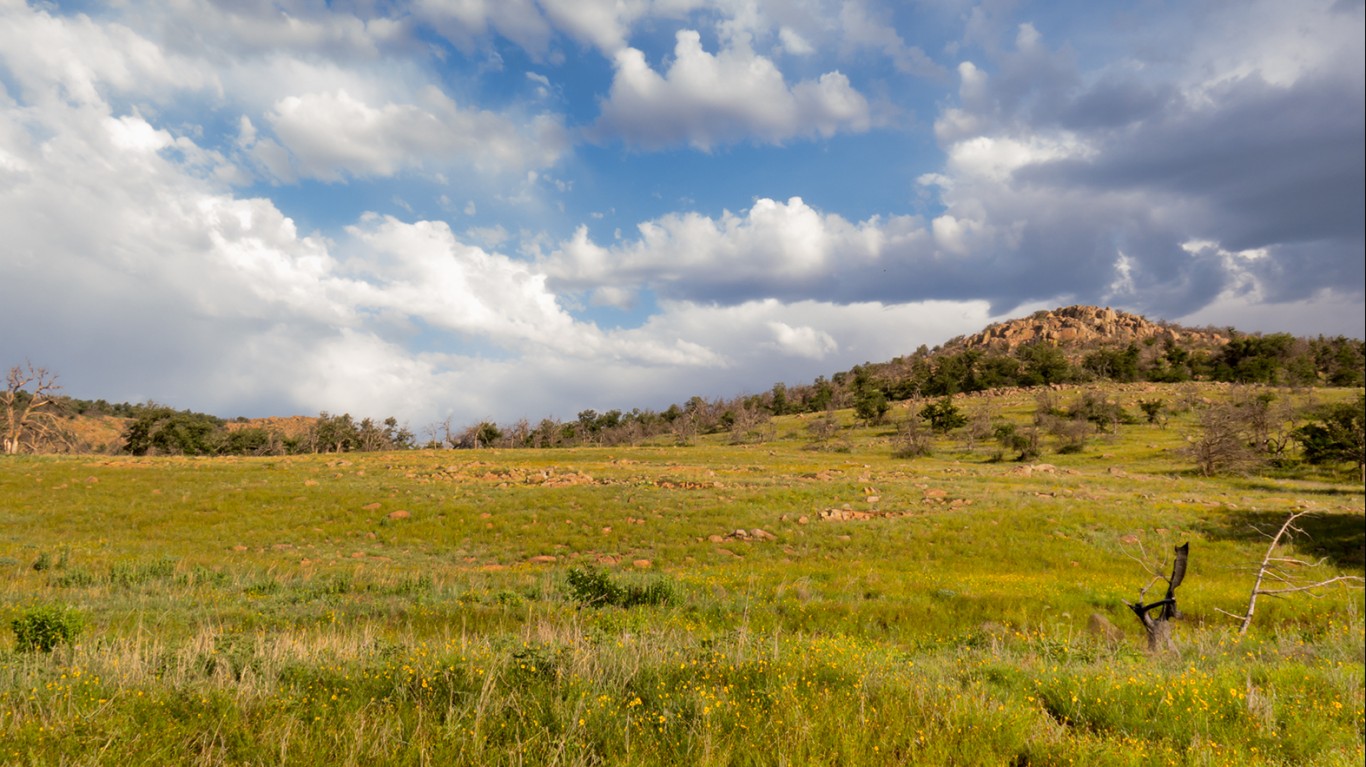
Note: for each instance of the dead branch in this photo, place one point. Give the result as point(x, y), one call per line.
point(1268, 571)
point(1159, 629)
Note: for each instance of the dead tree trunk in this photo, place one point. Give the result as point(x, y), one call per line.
point(1279, 571)
point(1159, 629)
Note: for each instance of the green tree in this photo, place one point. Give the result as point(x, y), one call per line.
point(1338, 435)
point(161, 430)
point(943, 416)
point(871, 406)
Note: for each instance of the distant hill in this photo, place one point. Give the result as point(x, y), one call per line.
point(1076, 329)
point(1067, 345)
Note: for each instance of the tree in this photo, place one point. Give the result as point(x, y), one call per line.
point(1338, 435)
point(161, 430)
point(1159, 629)
point(870, 405)
point(31, 409)
point(943, 415)
point(1284, 574)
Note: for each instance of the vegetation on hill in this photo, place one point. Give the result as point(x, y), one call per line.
point(1070, 345)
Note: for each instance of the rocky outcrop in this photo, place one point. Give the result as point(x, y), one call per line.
point(1084, 326)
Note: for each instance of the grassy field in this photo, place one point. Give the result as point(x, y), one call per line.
point(798, 604)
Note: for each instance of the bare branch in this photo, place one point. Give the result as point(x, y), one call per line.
point(1312, 586)
point(1268, 571)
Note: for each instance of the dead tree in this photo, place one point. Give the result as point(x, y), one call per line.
point(28, 405)
point(1159, 629)
point(1283, 575)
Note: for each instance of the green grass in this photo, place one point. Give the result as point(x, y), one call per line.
point(268, 611)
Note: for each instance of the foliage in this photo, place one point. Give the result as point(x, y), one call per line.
point(943, 416)
point(593, 587)
point(1025, 444)
point(1152, 409)
point(43, 628)
point(871, 406)
point(912, 440)
point(165, 431)
point(1338, 434)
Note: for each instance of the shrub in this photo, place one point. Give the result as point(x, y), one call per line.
point(595, 588)
point(912, 440)
point(943, 416)
point(44, 627)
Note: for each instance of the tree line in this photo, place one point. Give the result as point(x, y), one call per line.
point(34, 408)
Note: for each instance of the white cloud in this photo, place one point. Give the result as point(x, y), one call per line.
point(773, 249)
point(334, 134)
point(466, 23)
point(804, 341)
point(707, 100)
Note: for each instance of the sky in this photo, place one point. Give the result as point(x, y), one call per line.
point(503, 209)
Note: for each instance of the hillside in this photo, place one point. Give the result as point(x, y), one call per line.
point(1079, 328)
point(1067, 345)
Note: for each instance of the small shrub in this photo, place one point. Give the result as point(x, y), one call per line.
point(74, 578)
point(912, 440)
point(595, 588)
point(43, 628)
point(128, 574)
point(943, 416)
point(1153, 409)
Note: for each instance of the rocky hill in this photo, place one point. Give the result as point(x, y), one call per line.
point(1075, 328)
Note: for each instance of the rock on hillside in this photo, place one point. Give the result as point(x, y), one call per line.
point(1081, 327)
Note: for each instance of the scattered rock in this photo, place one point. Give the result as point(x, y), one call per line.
point(803, 520)
point(643, 564)
point(310, 483)
point(239, 547)
point(762, 535)
point(400, 514)
point(544, 559)
point(1100, 626)
point(371, 506)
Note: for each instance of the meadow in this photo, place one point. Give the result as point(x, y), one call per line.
point(779, 602)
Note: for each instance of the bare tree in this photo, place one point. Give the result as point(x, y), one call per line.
point(1285, 574)
point(1159, 629)
point(30, 409)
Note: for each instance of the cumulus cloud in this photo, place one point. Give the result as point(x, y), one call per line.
point(467, 22)
point(1096, 179)
point(334, 134)
point(707, 100)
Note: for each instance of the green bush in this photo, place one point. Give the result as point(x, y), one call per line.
point(595, 588)
point(44, 627)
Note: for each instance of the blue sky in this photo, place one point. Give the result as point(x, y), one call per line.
point(475, 209)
